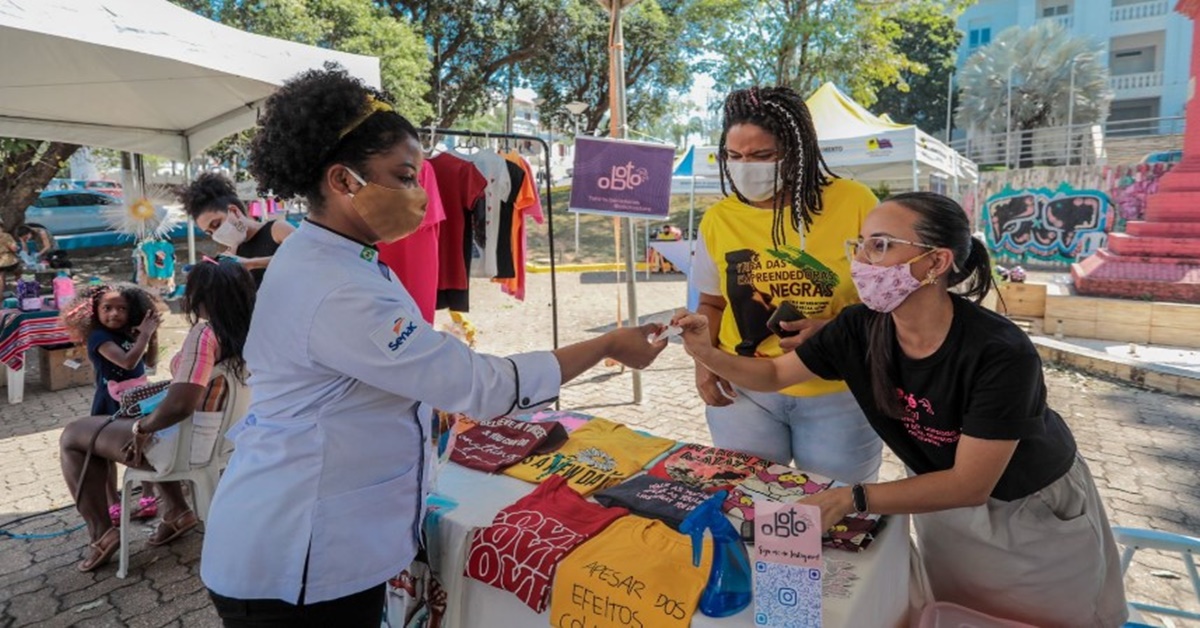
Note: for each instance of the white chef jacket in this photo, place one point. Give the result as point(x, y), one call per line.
point(330, 464)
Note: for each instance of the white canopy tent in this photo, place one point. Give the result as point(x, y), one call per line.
point(142, 76)
point(858, 144)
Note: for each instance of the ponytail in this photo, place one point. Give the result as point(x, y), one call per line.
point(975, 273)
point(881, 361)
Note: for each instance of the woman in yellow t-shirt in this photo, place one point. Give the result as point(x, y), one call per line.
point(779, 237)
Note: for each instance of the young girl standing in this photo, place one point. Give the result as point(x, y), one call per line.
point(118, 323)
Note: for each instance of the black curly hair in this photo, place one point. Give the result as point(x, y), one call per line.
point(300, 132)
point(211, 191)
point(226, 291)
point(79, 316)
point(802, 170)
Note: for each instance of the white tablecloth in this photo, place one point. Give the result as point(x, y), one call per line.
point(876, 579)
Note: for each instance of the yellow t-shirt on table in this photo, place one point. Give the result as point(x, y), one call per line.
point(596, 456)
point(637, 573)
point(756, 277)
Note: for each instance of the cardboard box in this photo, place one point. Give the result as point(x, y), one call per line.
point(56, 366)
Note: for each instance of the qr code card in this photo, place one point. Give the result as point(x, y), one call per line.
point(787, 596)
point(787, 565)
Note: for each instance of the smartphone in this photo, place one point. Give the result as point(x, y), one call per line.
point(785, 312)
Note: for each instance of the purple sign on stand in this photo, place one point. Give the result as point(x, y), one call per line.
point(622, 178)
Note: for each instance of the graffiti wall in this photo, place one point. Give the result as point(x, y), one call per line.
point(1036, 234)
point(1130, 186)
point(1044, 226)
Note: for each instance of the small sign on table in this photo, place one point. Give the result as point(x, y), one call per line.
point(787, 565)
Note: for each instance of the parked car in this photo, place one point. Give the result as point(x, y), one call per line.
point(66, 212)
point(104, 186)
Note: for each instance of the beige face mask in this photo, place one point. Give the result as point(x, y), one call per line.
point(390, 212)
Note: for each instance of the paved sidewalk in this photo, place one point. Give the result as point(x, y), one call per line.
point(1142, 448)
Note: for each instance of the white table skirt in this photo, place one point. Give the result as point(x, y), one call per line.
point(875, 594)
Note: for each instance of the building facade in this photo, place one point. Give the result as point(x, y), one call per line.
point(1147, 45)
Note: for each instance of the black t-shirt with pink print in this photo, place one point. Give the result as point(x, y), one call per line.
point(985, 381)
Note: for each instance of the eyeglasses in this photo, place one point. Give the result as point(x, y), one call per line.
point(875, 248)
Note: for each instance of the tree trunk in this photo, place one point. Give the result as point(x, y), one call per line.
point(25, 174)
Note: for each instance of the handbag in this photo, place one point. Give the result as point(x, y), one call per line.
point(141, 400)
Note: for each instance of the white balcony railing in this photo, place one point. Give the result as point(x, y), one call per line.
point(1141, 80)
point(1141, 10)
point(1065, 21)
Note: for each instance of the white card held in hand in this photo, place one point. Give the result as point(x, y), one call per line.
point(670, 331)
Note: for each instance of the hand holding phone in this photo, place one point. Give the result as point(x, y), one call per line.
point(786, 312)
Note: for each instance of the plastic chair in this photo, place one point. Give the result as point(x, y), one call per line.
point(1187, 547)
point(948, 615)
point(202, 476)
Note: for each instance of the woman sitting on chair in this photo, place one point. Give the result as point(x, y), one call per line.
point(218, 302)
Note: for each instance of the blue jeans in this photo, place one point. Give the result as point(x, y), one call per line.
point(826, 434)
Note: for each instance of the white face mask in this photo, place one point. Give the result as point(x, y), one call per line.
point(232, 232)
point(757, 181)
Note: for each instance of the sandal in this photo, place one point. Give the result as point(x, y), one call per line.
point(101, 552)
point(147, 508)
point(171, 529)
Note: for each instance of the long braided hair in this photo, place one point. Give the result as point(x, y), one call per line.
point(800, 171)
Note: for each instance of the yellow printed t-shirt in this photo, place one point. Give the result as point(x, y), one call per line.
point(636, 573)
point(596, 456)
point(756, 277)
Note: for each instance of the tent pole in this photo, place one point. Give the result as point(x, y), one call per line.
point(692, 213)
point(187, 179)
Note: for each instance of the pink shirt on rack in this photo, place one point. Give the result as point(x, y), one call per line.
point(414, 259)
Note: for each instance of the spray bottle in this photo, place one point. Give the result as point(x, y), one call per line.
point(728, 590)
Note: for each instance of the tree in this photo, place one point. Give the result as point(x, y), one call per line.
point(929, 38)
point(803, 43)
point(1041, 59)
point(26, 166)
point(573, 64)
point(354, 26)
point(473, 45)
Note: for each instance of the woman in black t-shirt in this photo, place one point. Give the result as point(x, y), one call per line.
point(212, 201)
point(1007, 515)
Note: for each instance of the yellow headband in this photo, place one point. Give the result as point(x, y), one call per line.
point(373, 105)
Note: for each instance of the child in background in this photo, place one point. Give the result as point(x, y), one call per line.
point(118, 323)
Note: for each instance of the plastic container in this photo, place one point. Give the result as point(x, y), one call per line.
point(729, 589)
point(64, 290)
point(947, 615)
point(29, 294)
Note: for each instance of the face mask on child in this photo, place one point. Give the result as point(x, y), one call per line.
point(232, 232)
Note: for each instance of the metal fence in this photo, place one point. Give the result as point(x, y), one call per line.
point(1081, 144)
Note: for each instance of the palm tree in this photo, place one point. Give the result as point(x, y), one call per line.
point(1040, 62)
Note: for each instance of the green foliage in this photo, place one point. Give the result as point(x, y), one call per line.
point(473, 46)
point(355, 26)
point(1041, 60)
point(26, 166)
point(805, 43)
point(573, 63)
point(930, 39)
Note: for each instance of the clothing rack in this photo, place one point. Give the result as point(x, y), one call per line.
point(434, 133)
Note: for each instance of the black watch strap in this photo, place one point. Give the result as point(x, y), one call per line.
point(860, 498)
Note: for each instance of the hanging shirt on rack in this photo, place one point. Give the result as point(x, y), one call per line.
point(505, 264)
point(414, 258)
point(499, 186)
point(462, 192)
point(528, 204)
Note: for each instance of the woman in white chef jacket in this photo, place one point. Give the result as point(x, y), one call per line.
point(322, 499)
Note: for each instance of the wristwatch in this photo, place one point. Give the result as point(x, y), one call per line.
point(859, 492)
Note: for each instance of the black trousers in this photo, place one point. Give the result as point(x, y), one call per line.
point(364, 609)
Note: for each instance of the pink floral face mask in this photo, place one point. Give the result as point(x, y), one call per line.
point(884, 288)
